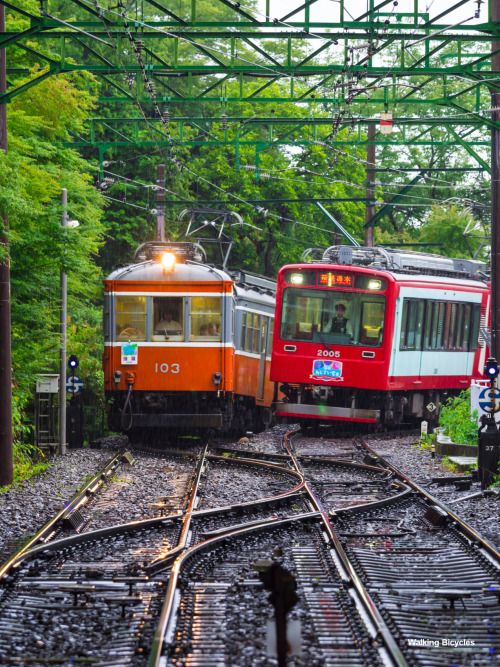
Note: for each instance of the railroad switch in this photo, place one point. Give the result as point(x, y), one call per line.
point(435, 517)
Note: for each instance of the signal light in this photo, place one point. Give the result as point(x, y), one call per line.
point(491, 369)
point(73, 362)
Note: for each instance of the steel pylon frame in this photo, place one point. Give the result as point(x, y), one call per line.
point(149, 55)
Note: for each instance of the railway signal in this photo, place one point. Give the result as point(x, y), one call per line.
point(488, 441)
point(491, 368)
point(73, 363)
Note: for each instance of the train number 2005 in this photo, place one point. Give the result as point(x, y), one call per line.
point(165, 368)
point(328, 353)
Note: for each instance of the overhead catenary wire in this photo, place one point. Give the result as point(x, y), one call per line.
point(242, 201)
point(142, 23)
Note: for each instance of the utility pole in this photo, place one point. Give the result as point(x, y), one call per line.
point(64, 339)
point(495, 197)
point(489, 438)
point(6, 455)
point(370, 187)
point(160, 202)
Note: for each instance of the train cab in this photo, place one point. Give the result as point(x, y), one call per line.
point(173, 328)
point(370, 335)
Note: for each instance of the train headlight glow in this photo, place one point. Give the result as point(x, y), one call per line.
point(168, 260)
point(296, 279)
point(374, 284)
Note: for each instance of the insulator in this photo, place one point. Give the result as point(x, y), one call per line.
point(250, 167)
point(139, 46)
point(223, 121)
point(167, 115)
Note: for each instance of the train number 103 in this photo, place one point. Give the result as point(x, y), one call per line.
point(328, 353)
point(165, 368)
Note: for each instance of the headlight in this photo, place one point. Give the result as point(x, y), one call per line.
point(168, 260)
point(296, 278)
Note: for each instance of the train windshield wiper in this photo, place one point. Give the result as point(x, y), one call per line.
point(320, 335)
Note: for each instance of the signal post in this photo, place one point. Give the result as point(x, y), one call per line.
point(489, 439)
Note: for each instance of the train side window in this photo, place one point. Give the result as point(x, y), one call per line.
point(404, 325)
point(459, 327)
point(429, 323)
point(205, 318)
point(438, 326)
point(243, 330)
point(412, 325)
point(450, 323)
point(249, 333)
point(464, 330)
point(131, 317)
point(474, 328)
point(168, 318)
point(372, 323)
point(256, 333)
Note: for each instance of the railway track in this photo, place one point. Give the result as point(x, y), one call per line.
point(385, 575)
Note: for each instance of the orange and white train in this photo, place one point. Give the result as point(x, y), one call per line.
point(187, 344)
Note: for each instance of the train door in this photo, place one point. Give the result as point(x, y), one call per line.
point(262, 361)
point(409, 360)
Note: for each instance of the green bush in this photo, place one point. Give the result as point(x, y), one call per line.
point(456, 419)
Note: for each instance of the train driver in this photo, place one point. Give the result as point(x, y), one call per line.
point(169, 324)
point(339, 323)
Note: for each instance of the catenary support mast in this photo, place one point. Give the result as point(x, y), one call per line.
point(6, 457)
point(160, 202)
point(495, 197)
point(370, 186)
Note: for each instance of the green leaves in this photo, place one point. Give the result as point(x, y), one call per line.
point(32, 175)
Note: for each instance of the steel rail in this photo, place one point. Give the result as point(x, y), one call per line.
point(79, 499)
point(81, 538)
point(463, 527)
point(383, 630)
point(166, 559)
point(167, 616)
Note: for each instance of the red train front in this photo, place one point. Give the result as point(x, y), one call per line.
point(373, 335)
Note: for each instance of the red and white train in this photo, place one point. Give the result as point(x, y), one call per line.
point(187, 344)
point(377, 335)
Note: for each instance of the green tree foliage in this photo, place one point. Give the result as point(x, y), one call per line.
point(446, 225)
point(32, 175)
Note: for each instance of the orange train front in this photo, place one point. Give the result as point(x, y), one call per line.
point(187, 344)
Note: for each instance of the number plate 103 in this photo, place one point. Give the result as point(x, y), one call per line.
point(166, 368)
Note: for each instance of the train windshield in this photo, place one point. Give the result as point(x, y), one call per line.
point(131, 318)
point(333, 317)
point(168, 318)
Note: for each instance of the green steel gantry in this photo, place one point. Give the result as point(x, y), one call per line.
point(187, 67)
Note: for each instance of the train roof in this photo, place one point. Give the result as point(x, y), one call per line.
point(400, 262)
point(189, 268)
point(153, 271)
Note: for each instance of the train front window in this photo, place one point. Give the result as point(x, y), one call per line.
point(206, 318)
point(131, 317)
point(168, 318)
point(333, 317)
